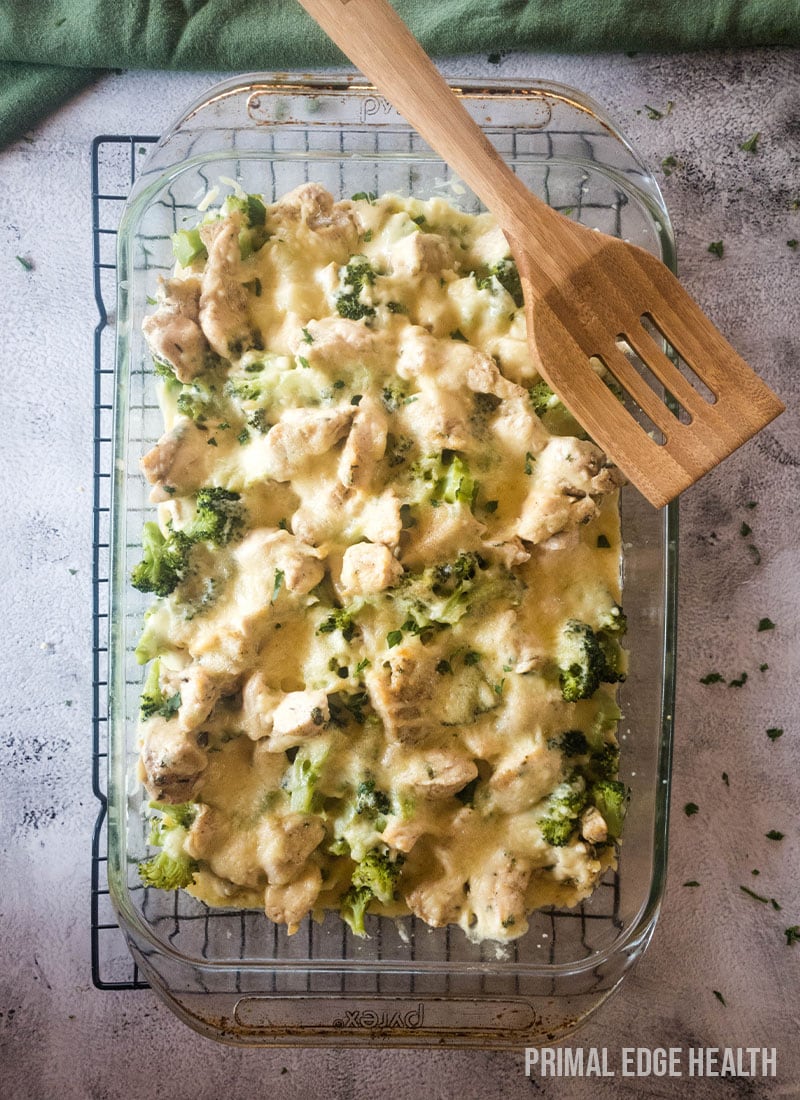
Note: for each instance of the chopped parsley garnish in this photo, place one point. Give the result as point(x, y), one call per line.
point(773, 733)
point(759, 897)
point(792, 935)
point(529, 462)
point(774, 834)
point(655, 115)
point(277, 585)
point(725, 779)
point(301, 359)
point(393, 638)
point(755, 554)
point(792, 243)
point(719, 997)
point(356, 399)
point(471, 658)
point(763, 668)
point(362, 664)
point(717, 248)
point(766, 624)
point(691, 808)
point(490, 506)
point(444, 668)
point(27, 264)
point(691, 882)
point(740, 682)
point(457, 334)
point(669, 164)
point(309, 339)
point(365, 196)
point(745, 530)
point(603, 543)
point(712, 678)
point(751, 145)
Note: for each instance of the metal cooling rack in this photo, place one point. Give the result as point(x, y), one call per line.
point(116, 160)
point(114, 168)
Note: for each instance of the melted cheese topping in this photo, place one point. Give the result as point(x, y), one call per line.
point(369, 672)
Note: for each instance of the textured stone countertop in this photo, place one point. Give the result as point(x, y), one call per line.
point(60, 1037)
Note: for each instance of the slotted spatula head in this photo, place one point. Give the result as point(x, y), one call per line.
point(585, 293)
point(614, 306)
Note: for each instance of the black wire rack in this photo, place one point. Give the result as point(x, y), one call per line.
point(116, 160)
point(114, 167)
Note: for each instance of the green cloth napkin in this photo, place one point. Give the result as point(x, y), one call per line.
point(49, 49)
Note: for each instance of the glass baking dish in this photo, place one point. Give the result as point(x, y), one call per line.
point(232, 974)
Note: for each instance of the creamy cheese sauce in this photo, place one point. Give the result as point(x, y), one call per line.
point(371, 666)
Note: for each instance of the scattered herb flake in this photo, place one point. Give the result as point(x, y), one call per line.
point(717, 248)
point(691, 882)
point(603, 543)
point(393, 638)
point(494, 58)
point(691, 808)
point(763, 668)
point(529, 461)
point(792, 243)
point(27, 264)
point(773, 733)
point(751, 504)
point(719, 997)
point(751, 145)
point(774, 834)
point(755, 554)
point(211, 442)
point(775, 905)
point(725, 779)
point(656, 115)
point(792, 935)
point(367, 196)
point(740, 682)
point(752, 894)
point(668, 165)
point(745, 530)
point(301, 359)
point(457, 334)
point(152, 301)
point(471, 658)
point(368, 236)
point(766, 624)
point(277, 585)
point(712, 678)
point(309, 339)
point(491, 506)
point(356, 399)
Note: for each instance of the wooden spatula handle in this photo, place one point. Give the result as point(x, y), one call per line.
point(376, 39)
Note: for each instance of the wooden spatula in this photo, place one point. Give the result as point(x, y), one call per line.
point(586, 294)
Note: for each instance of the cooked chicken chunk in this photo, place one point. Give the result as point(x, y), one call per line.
point(435, 773)
point(289, 903)
point(569, 478)
point(301, 434)
point(285, 843)
point(593, 826)
point(365, 446)
point(421, 252)
point(299, 716)
point(200, 691)
point(224, 315)
point(258, 706)
point(173, 332)
point(497, 894)
point(268, 558)
point(368, 568)
point(523, 775)
point(400, 692)
point(181, 461)
point(313, 207)
point(172, 760)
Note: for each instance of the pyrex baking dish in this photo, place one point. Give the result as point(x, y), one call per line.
point(232, 974)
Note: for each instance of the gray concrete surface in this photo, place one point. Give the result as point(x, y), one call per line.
point(61, 1038)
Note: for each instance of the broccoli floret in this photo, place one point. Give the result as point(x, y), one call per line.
point(220, 517)
point(153, 700)
point(165, 560)
point(394, 395)
point(604, 764)
point(302, 778)
point(611, 799)
point(187, 246)
point(374, 878)
point(348, 706)
point(339, 619)
point(379, 872)
point(197, 402)
point(586, 659)
point(171, 868)
point(357, 274)
point(369, 801)
point(507, 275)
point(562, 810)
point(446, 477)
point(542, 398)
point(253, 234)
point(353, 907)
point(571, 743)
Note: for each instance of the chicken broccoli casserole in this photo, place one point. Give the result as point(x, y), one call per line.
point(386, 563)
